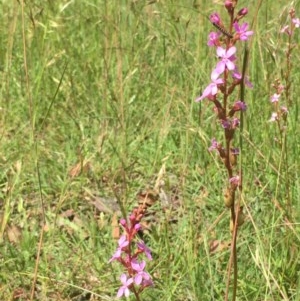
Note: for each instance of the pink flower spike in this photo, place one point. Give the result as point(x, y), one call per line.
point(242, 31)
point(213, 39)
point(227, 58)
point(124, 289)
point(296, 21)
point(141, 246)
point(275, 97)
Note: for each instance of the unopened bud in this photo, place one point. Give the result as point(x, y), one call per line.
point(123, 222)
point(229, 5)
point(243, 12)
point(215, 18)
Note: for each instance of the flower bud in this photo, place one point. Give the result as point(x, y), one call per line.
point(215, 18)
point(243, 12)
point(229, 5)
point(123, 222)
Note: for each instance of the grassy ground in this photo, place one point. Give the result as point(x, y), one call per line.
point(99, 100)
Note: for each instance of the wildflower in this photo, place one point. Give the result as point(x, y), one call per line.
point(147, 282)
point(242, 32)
point(286, 30)
point(239, 106)
point(237, 75)
point(143, 248)
point(213, 39)
point(123, 243)
point(275, 97)
point(212, 89)
point(274, 117)
point(140, 273)
point(235, 123)
point(124, 289)
point(214, 145)
point(226, 124)
point(227, 58)
point(296, 21)
point(127, 255)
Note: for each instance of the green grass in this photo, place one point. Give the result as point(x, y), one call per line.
point(113, 83)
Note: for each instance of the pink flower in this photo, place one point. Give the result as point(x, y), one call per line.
point(214, 145)
point(237, 75)
point(124, 289)
point(286, 30)
point(242, 31)
point(275, 97)
point(142, 247)
point(140, 273)
point(123, 243)
point(274, 117)
point(212, 89)
point(239, 106)
point(226, 124)
point(235, 123)
point(296, 21)
point(213, 38)
point(227, 58)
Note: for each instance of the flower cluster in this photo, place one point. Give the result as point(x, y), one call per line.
point(128, 253)
point(225, 77)
point(280, 111)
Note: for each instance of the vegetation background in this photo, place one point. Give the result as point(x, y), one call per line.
point(97, 98)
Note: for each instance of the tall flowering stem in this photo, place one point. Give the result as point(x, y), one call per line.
point(282, 101)
point(130, 249)
point(225, 80)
